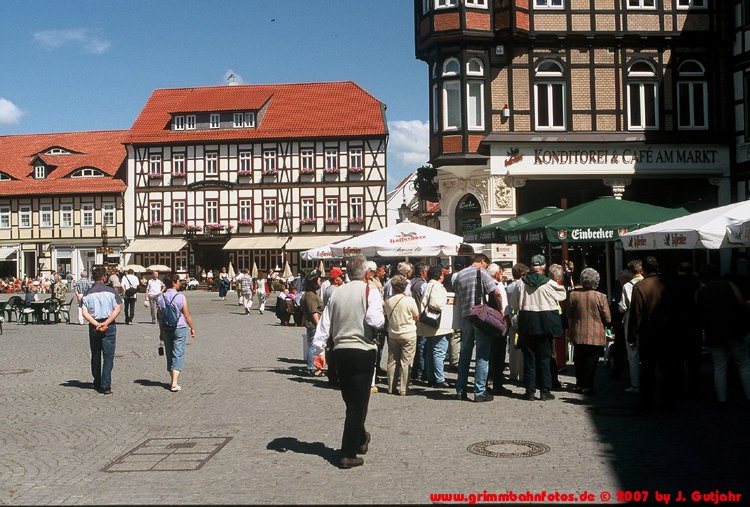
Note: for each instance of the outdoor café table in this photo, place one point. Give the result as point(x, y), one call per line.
point(37, 306)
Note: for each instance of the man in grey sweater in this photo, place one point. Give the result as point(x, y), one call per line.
point(348, 321)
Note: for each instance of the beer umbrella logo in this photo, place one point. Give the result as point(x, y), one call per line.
point(562, 234)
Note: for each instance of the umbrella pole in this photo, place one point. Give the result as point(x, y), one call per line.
point(608, 256)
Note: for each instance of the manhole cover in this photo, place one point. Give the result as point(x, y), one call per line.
point(508, 449)
point(15, 372)
point(613, 411)
point(255, 369)
point(168, 455)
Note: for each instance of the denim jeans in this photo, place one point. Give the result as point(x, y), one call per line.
point(309, 348)
point(418, 366)
point(102, 344)
point(174, 348)
point(536, 356)
point(720, 357)
point(435, 350)
point(129, 304)
point(469, 335)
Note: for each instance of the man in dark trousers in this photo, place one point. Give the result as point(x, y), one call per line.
point(101, 306)
point(648, 330)
point(351, 317)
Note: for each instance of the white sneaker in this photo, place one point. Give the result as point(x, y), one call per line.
point(175, 389)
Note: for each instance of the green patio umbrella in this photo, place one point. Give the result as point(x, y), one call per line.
point(492, 233)
point(602, 220)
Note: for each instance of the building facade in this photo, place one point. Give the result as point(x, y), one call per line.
point(253, 174)
point(60, 194)
point(555, 102)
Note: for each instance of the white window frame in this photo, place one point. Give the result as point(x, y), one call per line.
point(641, 4)
point(307, 159)
point(154, 164)
point(178, 164)
point(212, 163)
point(691, 4)
point(546, 90)
point(45, 215)
point(245, 210)
point(178, 122)
point(475, 106)
point(178, 212)
point(245, 161)
point(470, 72)
point(451, 67)
point(270, 210)
point(637, 84)
point(155, 215)
point(269, 161)
point(332, 208)
point(109, 214)
point(4, 177)
point(190, 122)
point(355, 158)
point(476, 4)
point(87, 214)
point(250, 119)
point(239, 120)
point(435, 109)
point(357, 207)
point(5, 217)
point(452, 91)
point(87, 172)
point(66, 215)
point(549, 4)
point(214, 121)
point(426, 4)
point(40, 172)
point(24, 216)
point(307, 205)
point(689, 87)
point(445, 4)
point(212, 212)
point(331, 158)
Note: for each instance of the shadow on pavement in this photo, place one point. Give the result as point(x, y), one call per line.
point(78, 384)
point(290, 360)
point(151, 383)
point(284, 444)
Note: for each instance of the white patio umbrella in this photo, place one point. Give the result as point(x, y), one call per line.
point(230, 272)
point(137, 268)
point(401, 240)
point(723, 227)
point(159, 267)
point(321, 269)
point(287, 273)
point(254, 272)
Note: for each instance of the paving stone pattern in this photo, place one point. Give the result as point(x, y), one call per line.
point(249, 427)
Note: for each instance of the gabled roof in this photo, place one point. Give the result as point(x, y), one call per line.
point(103, 150)
point(302, 110)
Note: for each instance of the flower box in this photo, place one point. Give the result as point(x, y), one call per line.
point(178, 175)
point(356, 220)
point(245, 172)
point(307, 221)
point(270, 221)
point(356, 170)
point(310, 170)
point(333, 221)
point(214, 227)
point(245, 222)
point(193, 228)
point(178, 224)
point(154, 224)
point(154, 176)
point(331, 170)
point(269, 172)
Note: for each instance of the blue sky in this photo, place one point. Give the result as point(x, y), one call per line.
point(91, 64)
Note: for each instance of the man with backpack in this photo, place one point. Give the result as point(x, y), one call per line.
point(174, 322)
point(129, 290)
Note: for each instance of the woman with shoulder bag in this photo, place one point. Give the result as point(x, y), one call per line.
point(434, 299)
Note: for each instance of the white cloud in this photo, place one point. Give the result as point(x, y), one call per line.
point(231, 73)
point(85, 39)
point(10, 114)
point(408, 148)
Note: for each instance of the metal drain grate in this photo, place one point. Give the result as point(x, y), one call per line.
point(168, 455)
point(19, 371)
point(256, 369)
point(482, 448)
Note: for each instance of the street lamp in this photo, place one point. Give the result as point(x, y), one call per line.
point(403, 212)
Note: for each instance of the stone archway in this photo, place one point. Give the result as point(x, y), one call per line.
point(468, 214)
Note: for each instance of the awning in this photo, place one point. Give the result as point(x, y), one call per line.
point(7, 251)
point(156, 245)
point(307, 242)
point(255, 242)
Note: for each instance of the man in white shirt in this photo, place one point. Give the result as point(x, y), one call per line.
point(129, 289)
point(154, 288)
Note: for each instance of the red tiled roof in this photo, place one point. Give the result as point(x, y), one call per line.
point(103, 150)
point(303, 110)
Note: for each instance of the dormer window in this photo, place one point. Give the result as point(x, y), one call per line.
point(244, 120)
point(4, 177)
point(190, 122)
point(87, 172)
point(57, 151)
point(214, 121)
point(40, 172)
point(178, 123)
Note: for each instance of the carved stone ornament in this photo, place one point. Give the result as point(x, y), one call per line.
point(503, 193)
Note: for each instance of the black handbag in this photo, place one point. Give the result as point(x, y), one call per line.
point(429, 317)
point(483, 315)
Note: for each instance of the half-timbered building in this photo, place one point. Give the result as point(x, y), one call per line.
point(253, 173)
point(60, 194)
point(555, 102)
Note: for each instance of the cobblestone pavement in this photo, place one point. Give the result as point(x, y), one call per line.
point(248, 427)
